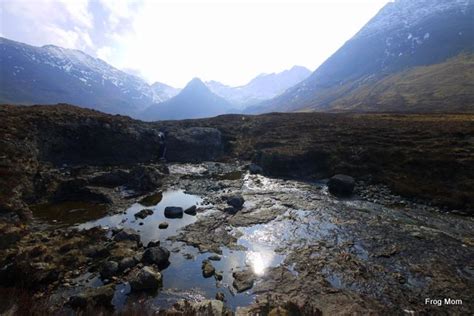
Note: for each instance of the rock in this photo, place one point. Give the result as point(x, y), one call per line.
point(341, 185)
point(214, 258)
point(208, 269)
point(191, 210)
point(127, 234)
point(173, 212)
point(152, 200)
point(145, 279)
point(109, 269)
point(163, 225)
point(255, 169)
point(194, 144)
point(218, 276)
point(156, 255)
point(205, 307)
point(235, 201)
point(143, 213)
point(220, 296)
point(243, 280)
point(96, 251)
point(145, 178)
point(111, 179)
point(100, 296)
point(127, 263)
point(154, 243)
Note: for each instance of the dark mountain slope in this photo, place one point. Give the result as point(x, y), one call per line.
point(52, 74)
point(194, 101)
point(404, 34)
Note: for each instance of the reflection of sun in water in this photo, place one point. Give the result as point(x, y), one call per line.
point(259, 261)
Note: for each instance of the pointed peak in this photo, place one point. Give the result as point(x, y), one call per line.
point(194, 84)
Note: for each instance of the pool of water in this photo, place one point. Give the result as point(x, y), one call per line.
point(148, 227)
point(69, 213)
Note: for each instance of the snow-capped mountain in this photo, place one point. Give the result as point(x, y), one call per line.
point(194, 101)
point(163, 92)
point(51, 74)
point(403, 35)
point(263, 87)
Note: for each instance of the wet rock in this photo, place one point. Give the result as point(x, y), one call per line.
point(236, 201)
point(191, 210)
point(163, 225)
point(220, 296)
point(96, 251)
point(341, 185)
point(127, 263)
point(214, 258)
point(243, 280)
point(100, 296)
point(109, 269)
point(152, 199)
point(145, 279)
point(194, 144)
point(255, 169)
point(206, 307)
point(218, 276)
point(143, 213)
point(127, 234)
point(145, 178)
point(156, 255)
point(154, 243)
point(208, 269)
point(173, 212)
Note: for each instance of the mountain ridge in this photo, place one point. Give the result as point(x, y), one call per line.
point(444, 30)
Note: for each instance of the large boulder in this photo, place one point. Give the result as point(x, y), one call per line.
point(144, 279)
point(208, 269)
point(127, 234)
point(109, 269)
point(145, 178)
point(243, 280)
point(194, 144)
point(236, 201)
point(341, 185)
point(173, 212)
point(156, 255)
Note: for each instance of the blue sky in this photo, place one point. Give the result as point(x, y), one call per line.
point(174, 41)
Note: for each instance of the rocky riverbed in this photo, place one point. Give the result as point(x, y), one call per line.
point(246, 243)
point(280, 214)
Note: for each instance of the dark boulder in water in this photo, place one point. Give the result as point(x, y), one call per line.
point(341, 185)
point(143, 213)
point(173, 212)
point(145, 279)
point(191, 210)
point(156, 255)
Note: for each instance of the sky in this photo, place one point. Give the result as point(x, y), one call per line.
point(173, 41)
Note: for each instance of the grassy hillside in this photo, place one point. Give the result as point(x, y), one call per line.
point(448, 86)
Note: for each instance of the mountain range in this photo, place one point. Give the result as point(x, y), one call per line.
point(263, 87)
point(52, 74)
point(414, 55)
point(389, 65)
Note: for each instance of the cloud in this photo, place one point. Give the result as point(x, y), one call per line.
point(66, 23)
point(104, 53)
